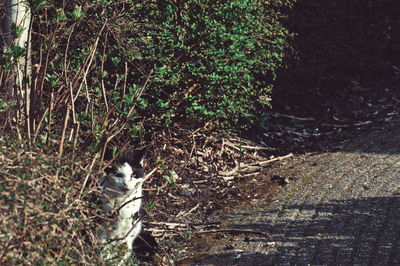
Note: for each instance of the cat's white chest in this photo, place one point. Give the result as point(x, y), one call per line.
point(124, 227)
point(127, 209)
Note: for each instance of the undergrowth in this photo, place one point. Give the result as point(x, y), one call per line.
point(47, 210)
point(98, 74)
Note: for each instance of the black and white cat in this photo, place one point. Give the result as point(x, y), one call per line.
point(122, 197)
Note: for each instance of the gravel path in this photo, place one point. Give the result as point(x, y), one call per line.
point(340, 208)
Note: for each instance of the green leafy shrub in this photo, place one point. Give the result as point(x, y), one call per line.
point(213, 60)
point(101, 67)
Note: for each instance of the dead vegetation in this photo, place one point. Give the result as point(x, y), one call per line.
point(49, 204)
point(45, 218)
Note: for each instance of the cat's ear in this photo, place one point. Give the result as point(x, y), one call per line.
point(139, 157)
point(134, 159)
point(108, 154)
point(109, 170)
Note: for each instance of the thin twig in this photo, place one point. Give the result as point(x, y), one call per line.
point(230, 172)
point(190, 156)
point(263, 163)
point(233, 230)
point(173, 225)
point(75, 143)
point(147, 176)
point(189, 212)
point(211, 231)
point(245, 169)
point(88, 174)
point(39, 124)
point(125, 80)
point(348, 125)
point(122, 127)
point(90, 59)
point(293, 117)
point(51, 107)
point(66, 118)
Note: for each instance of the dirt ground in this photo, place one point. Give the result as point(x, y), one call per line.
point(339, 208)
point(203, 178)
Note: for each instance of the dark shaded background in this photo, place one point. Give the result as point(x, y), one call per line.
point(337, 43)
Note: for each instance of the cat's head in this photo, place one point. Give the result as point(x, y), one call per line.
point(125, 174)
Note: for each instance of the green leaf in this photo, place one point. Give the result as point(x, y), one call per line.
point(77, 13)
point(60, 16)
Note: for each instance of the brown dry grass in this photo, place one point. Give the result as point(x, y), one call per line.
point(44, 218)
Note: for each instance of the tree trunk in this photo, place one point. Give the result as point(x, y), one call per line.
point(5, 42)
point(16, 33)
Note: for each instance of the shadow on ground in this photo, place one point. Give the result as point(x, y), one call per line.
point(356, 231)
point(340, 208)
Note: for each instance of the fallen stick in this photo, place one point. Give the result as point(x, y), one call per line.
point(239, 147)
point(263, 163)
point(246, 169)
point(257, 148)
point(233, 230)
point(189, 212)
point(150, 174)
point(348, 125)
point(211, 231)
point(293, 117)
point(233, 171)
point(184, 225)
